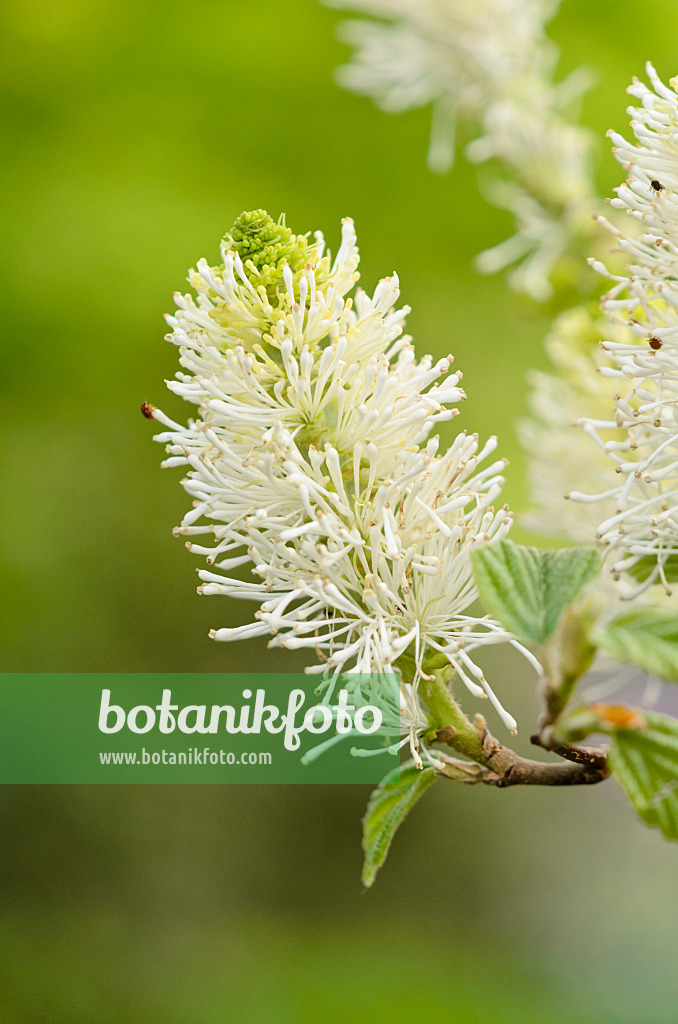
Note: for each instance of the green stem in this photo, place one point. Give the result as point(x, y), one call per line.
point(551, 686)
point(448, 715)
point(497, 765)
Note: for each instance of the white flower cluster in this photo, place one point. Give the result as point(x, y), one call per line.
point(491, 64)
point(560, 457)
point(641, 534)
point(311, 462)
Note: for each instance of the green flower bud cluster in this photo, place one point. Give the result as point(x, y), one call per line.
point(265, 247)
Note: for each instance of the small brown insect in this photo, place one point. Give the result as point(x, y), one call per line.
point(147, 410)
point(655, 343)
point(657, 185)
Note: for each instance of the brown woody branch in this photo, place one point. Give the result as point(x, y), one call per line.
point(497, 765)
point(593, 756)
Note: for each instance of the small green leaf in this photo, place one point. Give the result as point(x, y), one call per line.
point(644, 567)
point(527, 589)
point(388, 807)
point(645, 762)
point(646, 637)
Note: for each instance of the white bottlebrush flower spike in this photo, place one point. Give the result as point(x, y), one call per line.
point(311, 463)
point(561, 457)
point(490, 64)
point(641, 533)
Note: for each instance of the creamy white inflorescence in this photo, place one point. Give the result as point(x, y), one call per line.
point(311, 463)
point(641, 534)
point(561, 457)
point(490, 64)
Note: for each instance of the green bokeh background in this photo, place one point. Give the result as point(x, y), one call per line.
point(134, 133)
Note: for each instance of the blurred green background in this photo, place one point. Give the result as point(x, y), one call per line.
point(134, 133)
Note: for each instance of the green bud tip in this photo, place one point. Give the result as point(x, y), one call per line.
point(265, 246)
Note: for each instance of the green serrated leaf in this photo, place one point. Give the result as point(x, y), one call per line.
point(388, 807)
point(645, 637)
point(527, 589)
point(644, 567)
point(645, 762)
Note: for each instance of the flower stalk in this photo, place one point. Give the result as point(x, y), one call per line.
point(495, 764)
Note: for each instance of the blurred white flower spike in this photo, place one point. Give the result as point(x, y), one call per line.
point(311, 462)
point(560, 457)
point(490, 65)
point(641, 534)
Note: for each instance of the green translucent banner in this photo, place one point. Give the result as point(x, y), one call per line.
point(196, 728)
